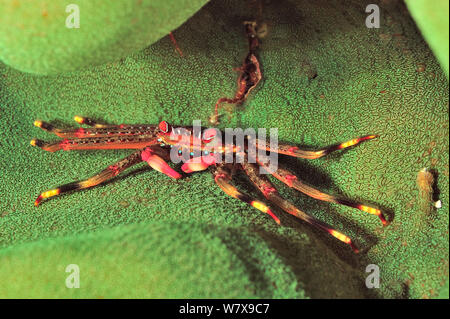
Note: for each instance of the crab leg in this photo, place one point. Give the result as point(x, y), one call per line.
point(197, 164)
point(88, 121)
point(46, 146)
point(98, 131)
point(269, 191)
point(97, 143)
point(106, 174)
point(294, 151)
point(222, 178)
point(47, 127)
point(292, 181)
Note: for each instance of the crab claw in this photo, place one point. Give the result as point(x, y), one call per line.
point(197, 164)
point(158, 164)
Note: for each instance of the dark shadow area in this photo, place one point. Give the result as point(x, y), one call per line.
point(436, 191)
point(310, 265)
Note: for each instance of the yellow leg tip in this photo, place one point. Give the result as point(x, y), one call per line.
point(50, 193)
point(33, 142)
point(38, 123)
point(340, 236)
point(79, 119)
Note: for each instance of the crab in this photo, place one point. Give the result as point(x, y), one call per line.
point(157, 144)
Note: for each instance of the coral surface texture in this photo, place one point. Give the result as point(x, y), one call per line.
point(327, 78)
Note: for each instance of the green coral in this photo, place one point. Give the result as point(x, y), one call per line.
point(443, 294)
point(383, 81)
point(34, 37)
point(432, 19)
point(171, 257)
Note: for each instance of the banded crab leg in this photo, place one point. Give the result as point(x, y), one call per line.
point(99, 130)
point(106, 174)
point(291, 180)
point(154, 156)
point(222, 177)
point(97, 143)
point(270, 192)
point(295, 151)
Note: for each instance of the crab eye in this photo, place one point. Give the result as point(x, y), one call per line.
point(209, 135)
point(164, 126)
